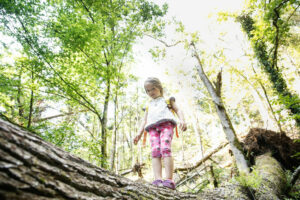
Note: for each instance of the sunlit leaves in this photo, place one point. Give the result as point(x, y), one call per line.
point(75, 53)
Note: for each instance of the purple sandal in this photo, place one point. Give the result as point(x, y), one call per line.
point(158, 183)
point(169, 184)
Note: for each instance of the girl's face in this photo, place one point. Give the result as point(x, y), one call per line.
point(152, 91)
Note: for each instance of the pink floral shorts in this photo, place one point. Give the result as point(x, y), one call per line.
point(160, 139)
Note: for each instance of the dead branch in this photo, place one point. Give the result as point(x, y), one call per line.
point(205, 158)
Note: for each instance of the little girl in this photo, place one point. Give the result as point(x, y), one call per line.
point(159, 122)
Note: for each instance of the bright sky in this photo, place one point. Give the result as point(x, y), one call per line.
point(194, 14)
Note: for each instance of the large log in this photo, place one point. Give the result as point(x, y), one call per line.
point(31, 168)
point(273, 178)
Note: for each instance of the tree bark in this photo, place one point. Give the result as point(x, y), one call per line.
point(198, 134)
point(30, 109)
point(114, 143)
point(19, 94)
point(31, 168)
point(273, 178)
point(295, 176)
point(103, 122)
point(215, 93)
point(213, 177)
point(31, 102)
point(270, 65)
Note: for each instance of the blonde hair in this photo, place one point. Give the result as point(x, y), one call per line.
point(156, 83)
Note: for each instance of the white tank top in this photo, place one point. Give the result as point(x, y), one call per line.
point(158, 112)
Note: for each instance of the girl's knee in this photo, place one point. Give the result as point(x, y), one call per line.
point(156, 153)
point(166, 152)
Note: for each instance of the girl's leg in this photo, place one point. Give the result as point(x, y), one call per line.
point(157, 168)
point(166, 140)
point(156, 155)
point(169, 167)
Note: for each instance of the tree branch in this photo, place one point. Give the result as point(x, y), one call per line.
point(56, 116)
point(163, 42)
point(89, 12)
point(205, 158)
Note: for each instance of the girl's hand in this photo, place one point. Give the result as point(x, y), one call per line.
point(136, 139)
point(182, 125)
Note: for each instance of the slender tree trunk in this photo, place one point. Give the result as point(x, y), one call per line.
point(262, 105)
point(267, 121)
point(123, 149)
point(224, 118)
point(31, 102)
point(131, 137)
point(20, 104)
point(247, 122)
point(198, 134)
point(113, 152)
point(103, 127)
point(137, 116)
point(30, 110)
point(268, 102)
point(213, 177)
point(118, 153)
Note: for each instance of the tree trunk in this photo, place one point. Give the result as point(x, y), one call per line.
point(270, 66)
point(103, 127)
point(273, 178)
point(213, 177)
point(19, 94)
point(215, 93)
point(131, 136)
point(267, 120)
point(198, 135)
point(31, 101)
point(30, 109)
point(31, 168)
point(268, 102)
point(261, 104)
point(114, 143)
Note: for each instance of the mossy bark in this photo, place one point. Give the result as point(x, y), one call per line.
point(268, 64)
point(31, 168)
point(273, 178)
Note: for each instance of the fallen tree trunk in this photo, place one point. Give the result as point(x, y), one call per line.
point(31, 168)
point(273, 178)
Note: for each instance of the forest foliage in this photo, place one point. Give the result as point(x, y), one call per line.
point(66, 74)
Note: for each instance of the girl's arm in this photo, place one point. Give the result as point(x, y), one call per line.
point(141, 129)
point(182, 124)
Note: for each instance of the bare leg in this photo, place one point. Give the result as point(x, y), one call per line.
point(157, 168)
point(169, 167)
